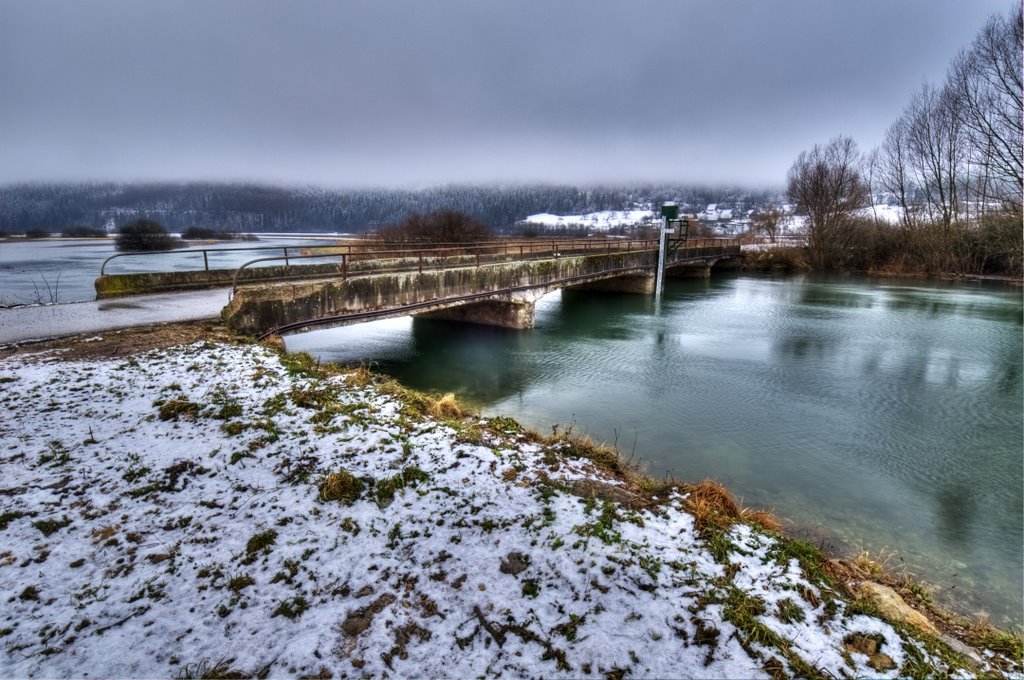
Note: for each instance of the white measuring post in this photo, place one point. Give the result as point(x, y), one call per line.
point(669, 211)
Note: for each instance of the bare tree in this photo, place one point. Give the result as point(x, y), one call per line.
point(767, 222)
point(826, 184)
point(936, 148)
point(986, 81)
point(890, 170)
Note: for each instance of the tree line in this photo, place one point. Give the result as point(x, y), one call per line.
point(260, 208)
point(951, 163)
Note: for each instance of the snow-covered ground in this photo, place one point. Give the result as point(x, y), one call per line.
point(610, 219)
point(598, 221)
point(162, 516)
point(890, 214)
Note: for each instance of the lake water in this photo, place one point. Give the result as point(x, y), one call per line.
point(64, 270)
point(871, 414)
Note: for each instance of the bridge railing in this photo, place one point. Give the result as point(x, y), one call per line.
point(353, 247)
point(194, 253)
point(395, 258)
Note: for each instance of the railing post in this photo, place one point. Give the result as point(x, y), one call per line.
point(286, 263)
point(344, 266)
point(420, 261)
point(206, 262)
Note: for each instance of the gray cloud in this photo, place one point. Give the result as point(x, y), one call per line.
point(374, 92)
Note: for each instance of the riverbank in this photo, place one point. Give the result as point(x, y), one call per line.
point(792, 260)
point(166, 502)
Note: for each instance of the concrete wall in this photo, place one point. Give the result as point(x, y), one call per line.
point(116, 285)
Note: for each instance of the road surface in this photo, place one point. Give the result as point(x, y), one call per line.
point(42, 322)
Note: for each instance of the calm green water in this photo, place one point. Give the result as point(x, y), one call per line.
point(871, 414)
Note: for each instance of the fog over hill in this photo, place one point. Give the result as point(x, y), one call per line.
point(260, 208)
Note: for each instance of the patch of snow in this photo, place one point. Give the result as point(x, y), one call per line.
point(162, 516)
point(598, 221)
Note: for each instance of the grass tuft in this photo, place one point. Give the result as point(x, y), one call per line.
point(445, 407)
point(341, 486)
point(762, 518)
point(712, 506)
point(173, 409)
point(221, 670)
point(260, 542)
point(51, 526)
point(9, 516)
point(291, 608)
point(360, 377)
point(385, 489)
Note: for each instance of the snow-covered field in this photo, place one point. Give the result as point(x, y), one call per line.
point(162, 516)
point(598, 221)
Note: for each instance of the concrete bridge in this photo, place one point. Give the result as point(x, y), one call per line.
point(495, 284)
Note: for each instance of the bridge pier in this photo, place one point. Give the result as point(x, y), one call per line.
point(517, 314)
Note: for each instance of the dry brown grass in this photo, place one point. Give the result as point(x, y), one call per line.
point(274, 342)
point(766, 519)
point(360, 377)
point(712, 506)
point(445, 407)
point(104, 534)
point(341, 486)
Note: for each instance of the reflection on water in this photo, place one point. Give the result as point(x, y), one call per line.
point(887, 415)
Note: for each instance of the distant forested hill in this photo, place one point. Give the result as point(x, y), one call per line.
point(249, 207)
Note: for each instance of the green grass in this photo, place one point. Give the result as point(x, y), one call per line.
point(57, 454)
point(51, 526)
point(240, 582)
point(1010, 645)
point(260, 543)
point(291, 608)
point(9, 516)
point(604, 527)
point(384, 490)
point(173, 409)
point(789, 611)
point(809, 556)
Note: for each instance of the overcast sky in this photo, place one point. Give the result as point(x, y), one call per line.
point(373, 92)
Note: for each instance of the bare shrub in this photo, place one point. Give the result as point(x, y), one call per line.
point(144, 235)
point(442, 226)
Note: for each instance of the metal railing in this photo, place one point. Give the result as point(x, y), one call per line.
point(439, 256)
point(206, 253)
point(351, 246)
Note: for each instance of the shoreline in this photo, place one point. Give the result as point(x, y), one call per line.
point(719, 517)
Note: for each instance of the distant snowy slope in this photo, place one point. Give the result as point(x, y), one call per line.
point(600, 221)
